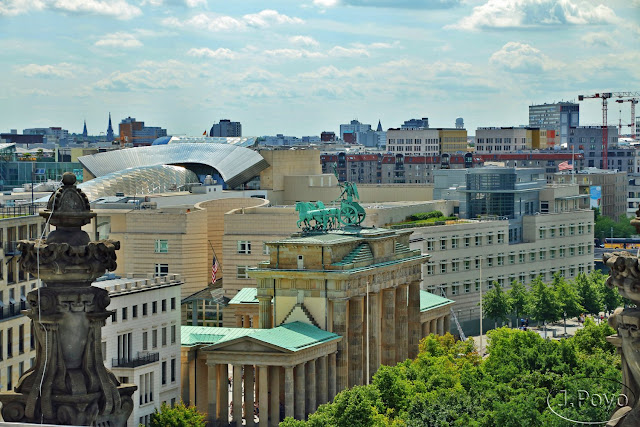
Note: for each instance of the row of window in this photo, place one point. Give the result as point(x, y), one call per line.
point(501, 258)
point(21, 370)
point(124, 313)
point(466, 241)
point(10, 341)
point(244, 247)
point(563, 230)
point(456, 288)
point(154, 337)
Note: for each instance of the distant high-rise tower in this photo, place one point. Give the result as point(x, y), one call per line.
point(226, 128)
point(110, 130)
point(84, 131)
point(459, 123)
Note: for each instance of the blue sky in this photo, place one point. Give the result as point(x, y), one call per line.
point(301, 67)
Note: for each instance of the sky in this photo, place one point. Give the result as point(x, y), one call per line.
point(300, 67)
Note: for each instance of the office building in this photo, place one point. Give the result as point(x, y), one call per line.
point(606, 190)
point(416, 124)
point(52, 135)
point(588, 139)
point(452, 141)
point(556, 118)
point(226, 127)
point(413, 141)
point(499, 140)
point(141, 340)
point(136, 133)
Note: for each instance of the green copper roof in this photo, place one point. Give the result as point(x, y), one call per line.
point(319, 239)
point(245, 296)
point(429, 301)
point(293, 336)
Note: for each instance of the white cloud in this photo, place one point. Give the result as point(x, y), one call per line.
point(293, 53)
point(61, 70)
point(303, 40)
point(400, 4)
point(521, 58)
point(326, 3)
point(600, 39)
point(119, 40)
point(263, 19)
point(116, 8)
point(18, 7)
point(220, 53)
point(348, 51)
point(195, 3)
point(149, 75)
point(535, 13)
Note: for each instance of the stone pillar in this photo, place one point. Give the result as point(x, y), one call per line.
point(237, 395)
point(274, 387)
point(192, 379)
point(433, 326)
point(311, 387)
point(288, 392)
point(212, 389)
point(447, 323)
point(402, 324)
point(425, 329)
point(263, 393)
point(374, 333)
point(223, 394)
point(332, 373)
point(264, 303)
point(414, 319)
point(247, 321)
point(248, 395)
point(388, 327)
point(441, 325)
point(239, 318)
point(354, 335)
point(184, 375)
point(300, 391)
point(340, 327)
point(323, 385)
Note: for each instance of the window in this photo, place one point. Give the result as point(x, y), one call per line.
point(489, 261)
point(512, 258)
point(114, 316)
point(173, 374)
point(581, 250)
point(454, 289)
point(173, 334)
point(478, 262)
point(467, 242)
point(443, 244)
point(124, 313)
point(173, 303)
point(467, 288)
point(478, 240)
point(265, 249)
point(164, 372)
point(561, 231)
point(443, 267)
point(241, 272)
point(9, 378)
point(580, 229)
point(521, 257)
point(455, 265)
point(552, 254)
point(430, 268)
point(145, 335)
point(477, 284)
point(500, 238)
point(244, 247)
point(467, 264)
point(542, 254)
point(430, 244)
point(154, 338)
point(572, 251)
point(532, 256)
point(489, 239)
point(572, 229)
point(164, 336)
point(134, 311)
point(454, 242)
point(20, 339)
point(561, 253)
point(162, 269)
point(541, 233)
point(500, 259)
point(162, 246)
point(144, 309)
point(552, 232)
point(154, 307)
point(164, 305)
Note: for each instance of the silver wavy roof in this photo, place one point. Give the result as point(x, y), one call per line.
point(242, 141)
point(139, 181)
point(235, 164)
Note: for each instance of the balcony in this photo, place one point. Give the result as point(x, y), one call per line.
point(140, 360)
point(12, 310)
point(16, 211)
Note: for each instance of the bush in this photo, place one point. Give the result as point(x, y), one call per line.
point(424, 215)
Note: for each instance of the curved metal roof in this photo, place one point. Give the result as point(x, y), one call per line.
point(140, 181)
point(235, 164)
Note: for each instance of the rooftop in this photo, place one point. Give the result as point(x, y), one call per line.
point(135, 283)
point(430, 301)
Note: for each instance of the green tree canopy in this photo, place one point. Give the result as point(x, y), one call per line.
point(518, 295)
point(496, 304)
point(589, 293)
point(543, 304)
point(178, 416)
point(567, 296)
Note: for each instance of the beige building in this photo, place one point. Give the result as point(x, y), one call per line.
point(452, 140)
point(498, 140)
point(17, 343)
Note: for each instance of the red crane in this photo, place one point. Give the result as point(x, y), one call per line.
point(605, 134)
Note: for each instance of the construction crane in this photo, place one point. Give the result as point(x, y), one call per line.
point(633, 102)
point(605, 134)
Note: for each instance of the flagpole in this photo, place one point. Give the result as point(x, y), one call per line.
point(215, 257)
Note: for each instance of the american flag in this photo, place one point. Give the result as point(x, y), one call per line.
point(565, 166)
point(214, 269)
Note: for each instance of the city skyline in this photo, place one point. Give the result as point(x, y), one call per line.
point(302, 68)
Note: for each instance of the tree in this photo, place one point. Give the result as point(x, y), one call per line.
point(178, 416)
point(518, 295)
point(495, 304)
point(590, 297)
point(543, 304)
point(568, 298)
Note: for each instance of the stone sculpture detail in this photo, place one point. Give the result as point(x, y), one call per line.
point(68, 383)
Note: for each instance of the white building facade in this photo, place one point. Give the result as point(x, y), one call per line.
point(413, 142)
point(502, 140)
point(141, 340)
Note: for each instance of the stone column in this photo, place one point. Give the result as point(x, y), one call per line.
point(323, 386)
point(402, 324)
point(388, 327)
point(441, 325)
point(447, 323)
point(425, 329)
point(239, 318)
point(332, 373)
point(248, 395)
point(340, 327)
point(263, 393)
point(274, 386)
point(311, 386)
point(288, 392)
point(414, 319)
point(354, 335)
point(433, 326)
point(212, 389)
point(300, 391)
point(374, 333)
point(237, 395)
point(223, 394)
point(247, 321)
point(264, 303)
point(184, 376)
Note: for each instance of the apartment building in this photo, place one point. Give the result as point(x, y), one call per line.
point(607, 190)
point(141, 340)
point(413, 141)
point(17, 343)
point(509, 139)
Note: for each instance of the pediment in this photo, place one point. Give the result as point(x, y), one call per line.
point(246, 345)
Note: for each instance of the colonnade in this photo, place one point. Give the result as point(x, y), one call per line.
point(246, 321)
point(439, 325)
point(233, 391)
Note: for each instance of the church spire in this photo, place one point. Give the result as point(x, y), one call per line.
point(110, 130)
point(379, 126)
point(84, 131)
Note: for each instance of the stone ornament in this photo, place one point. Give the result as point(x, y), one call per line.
point(68, 384)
